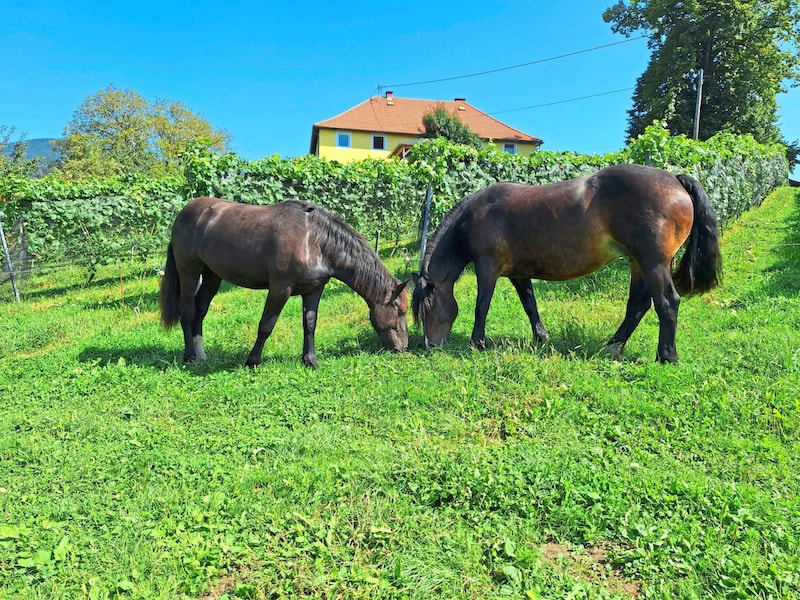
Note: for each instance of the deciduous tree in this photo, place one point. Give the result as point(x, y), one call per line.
point(747, 50)
point(440, 123)
point(117, 131)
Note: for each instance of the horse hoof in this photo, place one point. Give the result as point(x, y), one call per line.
point(310, 361)
point(613, 351)
point(252, 363)
point(189, 358)
point(478, 344)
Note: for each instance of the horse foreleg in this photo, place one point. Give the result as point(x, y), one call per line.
point(486, 285)
point(524, 289)
point(202, 300)
point(276, 300)
point(639, 302)
point(310, 306)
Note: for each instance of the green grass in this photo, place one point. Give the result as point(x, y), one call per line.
point(526, 471)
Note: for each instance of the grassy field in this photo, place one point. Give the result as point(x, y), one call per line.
point(524, 471)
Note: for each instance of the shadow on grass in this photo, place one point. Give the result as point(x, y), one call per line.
point(572, 342)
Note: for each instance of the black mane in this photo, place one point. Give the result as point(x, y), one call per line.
point(347, 249)
point(445, 227)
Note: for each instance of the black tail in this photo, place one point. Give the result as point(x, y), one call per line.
point(700, 268)
point(169, 297)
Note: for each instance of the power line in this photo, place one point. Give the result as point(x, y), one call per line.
point(498, 112)
point(527, 64)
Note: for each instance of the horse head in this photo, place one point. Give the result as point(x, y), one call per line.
point(435, 306)
point(389, 319)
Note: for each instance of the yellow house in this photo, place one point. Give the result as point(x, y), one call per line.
point(385, 126)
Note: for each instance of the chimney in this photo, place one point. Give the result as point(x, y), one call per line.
point(390, 98)
point(460, 100)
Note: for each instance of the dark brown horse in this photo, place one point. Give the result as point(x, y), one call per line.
point(569, 229)
point(292, 248)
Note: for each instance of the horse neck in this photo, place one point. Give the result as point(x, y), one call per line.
point(445, 259)
point(367, 277)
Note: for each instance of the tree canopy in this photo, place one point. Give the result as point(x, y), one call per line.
point(747, 50)
point(440, 123)
point(117, 131)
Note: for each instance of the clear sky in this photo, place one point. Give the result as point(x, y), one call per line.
point(267, 71)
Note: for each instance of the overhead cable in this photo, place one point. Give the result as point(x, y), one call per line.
point(498, 112)
point(527, 64)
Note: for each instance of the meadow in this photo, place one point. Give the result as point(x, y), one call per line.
point(525, 471)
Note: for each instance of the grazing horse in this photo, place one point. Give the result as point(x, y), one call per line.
point(565, 230)
point(292, 248)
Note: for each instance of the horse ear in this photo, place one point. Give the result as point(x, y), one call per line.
point(399, 289)
point(422, 281)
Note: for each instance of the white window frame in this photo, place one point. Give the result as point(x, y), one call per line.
point(379, 135)
point(344, 134)
point(509, 147)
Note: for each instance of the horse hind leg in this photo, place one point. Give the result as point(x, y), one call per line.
point(202, 300)
point(188, 312)
point(639, 302)
point(666, 301)
point(524, 289)
point(654, 285)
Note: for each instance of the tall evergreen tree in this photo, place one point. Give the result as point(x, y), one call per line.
point(747, 50)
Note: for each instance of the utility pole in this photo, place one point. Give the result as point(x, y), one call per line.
point(697, 104)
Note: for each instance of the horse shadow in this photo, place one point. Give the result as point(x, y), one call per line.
point(160, 358)
point(572, 342)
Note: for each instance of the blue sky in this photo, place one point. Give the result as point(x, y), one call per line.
point(266, 72)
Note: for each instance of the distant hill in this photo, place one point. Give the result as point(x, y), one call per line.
point(39, 147)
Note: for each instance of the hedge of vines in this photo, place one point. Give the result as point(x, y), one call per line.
point(102, 220)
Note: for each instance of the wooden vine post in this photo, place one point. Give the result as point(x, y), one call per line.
point(8, 263)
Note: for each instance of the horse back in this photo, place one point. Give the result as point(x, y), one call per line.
point(568, 229)
point(248, 245)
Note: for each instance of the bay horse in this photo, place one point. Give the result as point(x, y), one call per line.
point(566, 230)
point(291, 248)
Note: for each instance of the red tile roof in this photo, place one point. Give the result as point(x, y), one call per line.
point(391, 114)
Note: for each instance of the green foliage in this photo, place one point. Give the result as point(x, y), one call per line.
point(441, 124)
point(99, 219)
point(116, 132)
point(747, 50)
point(15, 163)
point(94, 221)
point(736, 171)
point(423, 475)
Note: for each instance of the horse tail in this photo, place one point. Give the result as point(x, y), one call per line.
point(700, 268)
point(169, 297)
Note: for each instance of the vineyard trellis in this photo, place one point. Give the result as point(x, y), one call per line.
point(94, 222)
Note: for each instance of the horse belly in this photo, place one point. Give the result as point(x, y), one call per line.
point(236, 262)
point(562, 262)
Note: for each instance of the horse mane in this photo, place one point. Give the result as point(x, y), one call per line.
point(445, 227)
point(347, 249)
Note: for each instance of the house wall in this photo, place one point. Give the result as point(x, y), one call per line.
point(361, 146)
point(522, 148)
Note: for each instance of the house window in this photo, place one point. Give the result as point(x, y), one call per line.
point(343, 139)
point(510, 148)
point(378, 142)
